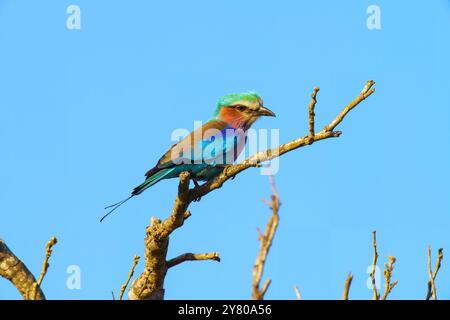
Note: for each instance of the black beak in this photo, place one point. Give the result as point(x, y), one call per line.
point(263, 111)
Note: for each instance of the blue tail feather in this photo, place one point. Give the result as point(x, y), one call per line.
point(150, 181)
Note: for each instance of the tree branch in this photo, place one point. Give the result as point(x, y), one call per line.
point(130, 274)
point(374, 265)
point(13, 269)
point(45, 265)
point(149, 284)
point(364, 94)
point(432, 275)
point(311, 113)
point(347, 284)
point(193, 257)
point(297, 293)
point(266, 240)
point(388, 286)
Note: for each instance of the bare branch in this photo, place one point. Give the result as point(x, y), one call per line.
point(374, 265)
point(438, 263)
point(13, 269)
point(387, 272)
point(265, 243)
point(149, 284)
point(432, 275)
point(192, 257)
point(347, 284)
point(180, 206)
point(45, 264)
point(311, 114)
point(297, 293)
point(130, 274)
point(366, 92)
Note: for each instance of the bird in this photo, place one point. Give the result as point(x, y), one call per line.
point(206, 150)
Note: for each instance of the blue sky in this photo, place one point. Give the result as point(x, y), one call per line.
point(84, 113)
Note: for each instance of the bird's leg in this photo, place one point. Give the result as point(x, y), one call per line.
point(196, 185)
point(195, 182)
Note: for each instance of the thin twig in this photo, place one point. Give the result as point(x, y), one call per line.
point(432, 275)
point(130, 274)
point(311, 114)
point(438, 263)
point(364, 94)
point(193, 257)
point(264, 288)
point(266, 240)
point(347, 284)
point(387, 272)
point(48, 253)
point(374, 265)
point(297, 293)
point(45, 264)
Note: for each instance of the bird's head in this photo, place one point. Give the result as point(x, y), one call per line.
point(241, 110)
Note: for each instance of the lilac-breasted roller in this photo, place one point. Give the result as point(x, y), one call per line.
point(205, 151)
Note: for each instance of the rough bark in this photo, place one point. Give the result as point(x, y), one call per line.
point(13, 269)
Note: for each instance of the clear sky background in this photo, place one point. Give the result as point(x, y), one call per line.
point(84, 113)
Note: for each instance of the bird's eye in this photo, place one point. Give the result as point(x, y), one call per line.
point(240, 107)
